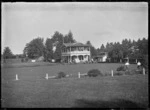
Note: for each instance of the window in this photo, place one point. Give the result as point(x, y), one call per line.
point(72, 48)
point(82, 48)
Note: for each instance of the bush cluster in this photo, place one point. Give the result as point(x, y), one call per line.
point(121, 68)
point(61, 75)
point(94, 73)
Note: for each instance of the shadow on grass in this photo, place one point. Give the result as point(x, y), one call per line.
point(115, 103)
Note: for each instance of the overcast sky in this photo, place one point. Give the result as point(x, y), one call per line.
point(98, 22)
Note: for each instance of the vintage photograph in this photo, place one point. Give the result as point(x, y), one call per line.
point(74, 55)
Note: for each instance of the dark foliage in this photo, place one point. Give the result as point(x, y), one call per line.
point(92, 49)
point(34, 48)
point(94, 73)
point(117, 52)
point(121, 68)
point(132, 49)
point(61, 75)
point(7, 53)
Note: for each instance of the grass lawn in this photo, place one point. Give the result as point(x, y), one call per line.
point(33, 90)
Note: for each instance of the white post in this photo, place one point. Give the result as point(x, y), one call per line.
point(79, 75)
point(143, 71)
point(112, 73)
point(46, 76)
point(17, 77)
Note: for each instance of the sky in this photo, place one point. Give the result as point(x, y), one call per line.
point(99, 22)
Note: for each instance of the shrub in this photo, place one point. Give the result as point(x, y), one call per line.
point(61, 75)
point(121, 68)
point(94, 73)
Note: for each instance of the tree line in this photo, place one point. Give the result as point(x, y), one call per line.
point(126, 49)
point(116, 51)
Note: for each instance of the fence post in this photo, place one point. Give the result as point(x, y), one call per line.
point(112, 74)
point(46, 76)
point(78, 74)
point(143, 71)
point(17, 77)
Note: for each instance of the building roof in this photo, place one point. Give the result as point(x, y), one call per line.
point(75, 44)
point(101, 54)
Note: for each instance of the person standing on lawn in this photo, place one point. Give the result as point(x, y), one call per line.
point(127, 65)
point(138, 65)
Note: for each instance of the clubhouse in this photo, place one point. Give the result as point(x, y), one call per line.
point(75, 53)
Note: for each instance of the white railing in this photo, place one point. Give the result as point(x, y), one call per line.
point(77, 52)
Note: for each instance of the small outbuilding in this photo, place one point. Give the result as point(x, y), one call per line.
point(101, 57)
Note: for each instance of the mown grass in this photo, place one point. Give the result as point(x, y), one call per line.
point(33, 90)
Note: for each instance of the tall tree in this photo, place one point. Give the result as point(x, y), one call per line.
point(102, 48)
point(53, 46)
point(125, 47)
point(69, 38)
point(109, 48)
point(92, 48)
point(89, 43)
point(48, 53)
point(7, 53)
point(35, 48)
point(57, 40)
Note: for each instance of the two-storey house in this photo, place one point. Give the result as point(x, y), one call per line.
point(75, 52)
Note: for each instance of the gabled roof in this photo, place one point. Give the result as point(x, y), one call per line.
point(75, 44)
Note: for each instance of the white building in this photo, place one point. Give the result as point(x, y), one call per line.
point(101, 57)
point(75, 52)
